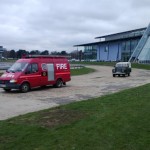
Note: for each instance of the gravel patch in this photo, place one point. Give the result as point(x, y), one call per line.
point(79, 88)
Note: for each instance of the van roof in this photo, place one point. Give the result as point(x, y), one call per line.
point(45, 56)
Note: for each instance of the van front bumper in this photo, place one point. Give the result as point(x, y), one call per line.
point(10, 86)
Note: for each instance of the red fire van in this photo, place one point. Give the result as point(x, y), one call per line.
point(35, 71)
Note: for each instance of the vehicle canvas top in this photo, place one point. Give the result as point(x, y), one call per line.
point(123, 64)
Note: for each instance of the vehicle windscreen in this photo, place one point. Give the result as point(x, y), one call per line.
point(122, 65)
point(18, 67)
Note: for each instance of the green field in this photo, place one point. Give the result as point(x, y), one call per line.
point(81, 71)
point(134, 65)
point(119, 121)
point(95, 63)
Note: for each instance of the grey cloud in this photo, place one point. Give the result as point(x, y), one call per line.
point(140, 4)
point(58, 25)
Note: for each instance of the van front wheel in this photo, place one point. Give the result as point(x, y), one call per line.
point(59, 83)
point(25, 87)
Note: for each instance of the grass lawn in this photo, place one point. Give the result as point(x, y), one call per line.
point(134, 65)
point(81, 71)
point(95, 63)
point(119, 121)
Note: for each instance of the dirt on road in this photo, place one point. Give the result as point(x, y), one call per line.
point(79, 88)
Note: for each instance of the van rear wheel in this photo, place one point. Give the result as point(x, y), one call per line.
point(24, 87)
point(59, 83)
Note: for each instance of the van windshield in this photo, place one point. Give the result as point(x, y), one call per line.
point(18, 67)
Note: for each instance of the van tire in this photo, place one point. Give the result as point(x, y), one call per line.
point(59, 83)
point(25, 87)
point(7, 90)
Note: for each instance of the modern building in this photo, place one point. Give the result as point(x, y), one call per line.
point(133, 45)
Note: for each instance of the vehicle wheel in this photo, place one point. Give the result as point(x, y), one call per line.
point(114, 75)
point(59, 83)
point(25, 87)
point(128, 74)
point(7, 90)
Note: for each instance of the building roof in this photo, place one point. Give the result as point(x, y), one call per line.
point(110, 40)
point(132, 34)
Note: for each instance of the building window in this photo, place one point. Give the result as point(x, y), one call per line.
point(90, 52)
point(106, 49)
point(128, 46)
point(123, 46)
point(133, 44)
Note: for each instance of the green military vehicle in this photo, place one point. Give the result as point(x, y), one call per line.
point(122, 69)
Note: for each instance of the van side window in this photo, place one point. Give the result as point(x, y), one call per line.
point(32, 68)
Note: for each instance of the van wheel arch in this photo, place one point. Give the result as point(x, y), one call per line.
point(25, 87)
point(59, 83)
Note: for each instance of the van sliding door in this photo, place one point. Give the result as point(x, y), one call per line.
point(50, 72)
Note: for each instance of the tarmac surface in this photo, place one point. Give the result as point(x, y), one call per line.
point(79, 88)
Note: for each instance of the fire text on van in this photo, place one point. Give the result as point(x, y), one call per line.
point(61, 66)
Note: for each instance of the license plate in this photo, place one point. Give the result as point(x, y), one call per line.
point(2, 85)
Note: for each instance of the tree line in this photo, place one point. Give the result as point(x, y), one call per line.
point(18, 54)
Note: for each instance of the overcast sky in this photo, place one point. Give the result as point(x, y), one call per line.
point(60, 24)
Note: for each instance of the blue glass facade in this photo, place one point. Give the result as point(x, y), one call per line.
point(108, 52)
point(125, 46)
point(116, 51)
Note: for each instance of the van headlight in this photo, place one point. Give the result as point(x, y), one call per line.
point(13, 81)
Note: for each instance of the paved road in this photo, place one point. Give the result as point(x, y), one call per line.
point(79, 88)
